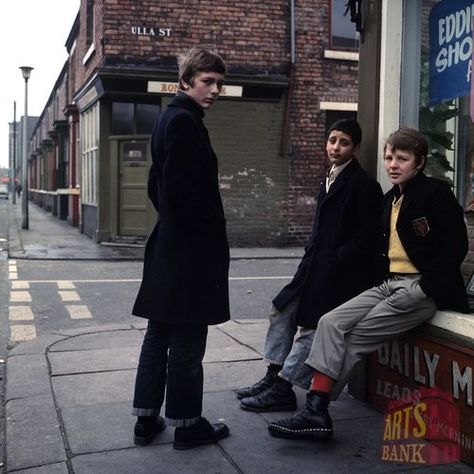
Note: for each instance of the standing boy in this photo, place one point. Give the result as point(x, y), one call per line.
point(334, 268)
point(423, 242)
point(185, 276)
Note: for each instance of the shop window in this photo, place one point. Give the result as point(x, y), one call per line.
point(133, 119)
point(343, 32)
point(146, 117)
point(90, 147)
point(122, 118)
point(446, 101)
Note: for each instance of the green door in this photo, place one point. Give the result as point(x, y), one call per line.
point(133, 198)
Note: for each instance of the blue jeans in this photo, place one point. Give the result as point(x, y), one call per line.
point(171, 358)
point(283, 348)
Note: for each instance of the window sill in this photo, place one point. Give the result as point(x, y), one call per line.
point(89, 54)
point(345, 55)
point(344, 106)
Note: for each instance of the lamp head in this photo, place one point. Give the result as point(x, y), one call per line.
point(26, 71)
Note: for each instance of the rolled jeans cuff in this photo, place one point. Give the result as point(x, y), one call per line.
point(145, 411)
point(182, 422)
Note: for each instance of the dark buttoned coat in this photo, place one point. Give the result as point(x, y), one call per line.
point(185, 276)
point(431, 228)
point(338, 261)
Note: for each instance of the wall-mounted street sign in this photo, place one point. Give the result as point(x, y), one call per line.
point(159, 87)
point(150, 31)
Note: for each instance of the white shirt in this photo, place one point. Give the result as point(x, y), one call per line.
point(334, 172)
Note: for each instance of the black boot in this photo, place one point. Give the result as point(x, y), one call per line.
point(313, 421)
point(278, 397)
point(261, 385)
point(200, 433)
point(146, 428)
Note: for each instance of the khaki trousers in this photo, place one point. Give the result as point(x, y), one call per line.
point(364, 323)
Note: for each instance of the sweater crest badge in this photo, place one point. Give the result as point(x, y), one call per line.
point(421, 226)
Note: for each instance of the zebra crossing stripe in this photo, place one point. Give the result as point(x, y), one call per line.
point(20, 313)
point(22, 332)
point(79, 311)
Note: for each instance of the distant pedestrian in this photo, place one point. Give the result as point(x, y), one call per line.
point(335, 267)
point(18, 190)
point(422, 243)
point(185, 277)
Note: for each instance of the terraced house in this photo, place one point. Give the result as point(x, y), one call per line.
point(292, 70)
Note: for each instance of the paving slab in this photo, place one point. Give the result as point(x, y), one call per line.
point(33, 433)
point(90, 340)
point(222, 376)
point(93, 360)
point(93, 388)
point(162, 459)
point(27, 376)
point(103, 427)
point(57, 468)
point(250, 335)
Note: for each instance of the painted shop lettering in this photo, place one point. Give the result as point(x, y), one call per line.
point(403, 453)
point(454, 31)
point(147, 31)
point(414, 363)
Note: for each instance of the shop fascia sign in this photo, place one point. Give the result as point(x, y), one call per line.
point(451, 29)
point(159, 87)
point(150, 31)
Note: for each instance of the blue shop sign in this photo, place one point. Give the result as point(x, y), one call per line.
point(450, 50)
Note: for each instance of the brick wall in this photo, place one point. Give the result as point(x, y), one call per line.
point(252, 35)
point(316, 79)
point(246, 137)
point(254, 38)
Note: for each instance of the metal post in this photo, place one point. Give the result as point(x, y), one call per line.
point(13, 165)
point(26, 71)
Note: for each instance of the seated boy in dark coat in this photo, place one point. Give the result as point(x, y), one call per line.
point(334, 268)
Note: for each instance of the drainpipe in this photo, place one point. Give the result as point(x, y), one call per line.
point(286, 122)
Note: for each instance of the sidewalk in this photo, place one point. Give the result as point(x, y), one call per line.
point(68, 395)
point(49, 238)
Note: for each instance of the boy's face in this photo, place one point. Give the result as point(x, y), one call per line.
point(400, 165)
point(206, 88)
point(339, 147)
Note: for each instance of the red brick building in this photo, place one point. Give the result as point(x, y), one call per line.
point(292, 70)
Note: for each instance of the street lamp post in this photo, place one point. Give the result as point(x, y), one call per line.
point(26, 71)
point(13, 162)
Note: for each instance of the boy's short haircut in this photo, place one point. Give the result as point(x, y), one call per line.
point(409, 139)
point(349, 127)
point(198, 60)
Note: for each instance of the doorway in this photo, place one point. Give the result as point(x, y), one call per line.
point(133, 177)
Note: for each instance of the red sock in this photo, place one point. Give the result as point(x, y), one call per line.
point(322, 382)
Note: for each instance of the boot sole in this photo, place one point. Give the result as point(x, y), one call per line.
point(268, 409)
point(183, 445)
point(323, 435)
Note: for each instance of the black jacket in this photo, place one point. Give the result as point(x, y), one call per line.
point(336, 265)
point(185, 275)
point(433, 233)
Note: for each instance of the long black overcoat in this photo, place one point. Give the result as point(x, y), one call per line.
point(338, 261)
point(433, 233)
point(185, 275)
